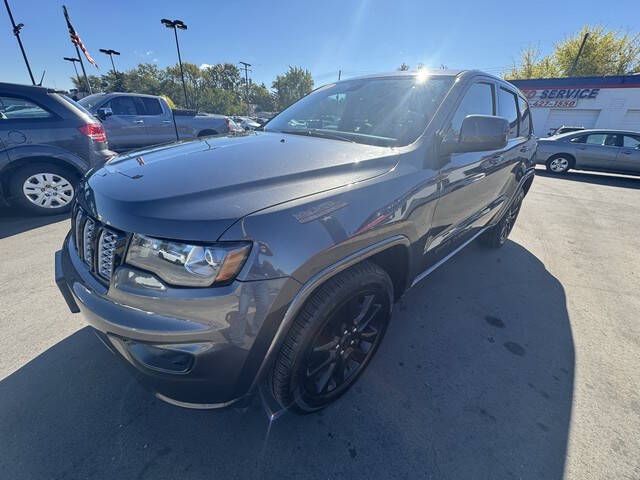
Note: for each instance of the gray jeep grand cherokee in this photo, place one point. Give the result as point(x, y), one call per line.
point(273, 259)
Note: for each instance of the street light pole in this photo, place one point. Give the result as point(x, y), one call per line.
point(111, 53)
point(16, 32)
point(246, 66)
point(175, 25)
point(74, 61)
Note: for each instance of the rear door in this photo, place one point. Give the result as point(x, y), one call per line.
point(25, 122)
point(597, 150)
point(126, 127)
point(629, 154)
point(158, 121)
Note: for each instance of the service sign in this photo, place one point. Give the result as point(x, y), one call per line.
point(559, 97)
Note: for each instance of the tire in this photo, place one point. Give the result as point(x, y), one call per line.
point(26, 183)
point(340, 326)
point(560, 163)
point(497, 235)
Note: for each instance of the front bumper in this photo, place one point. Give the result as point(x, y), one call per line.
point(199, 348)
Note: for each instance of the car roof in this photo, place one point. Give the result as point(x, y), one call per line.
point(430, 72)
point(17, 88)
point(587, 131)
point(604, 130)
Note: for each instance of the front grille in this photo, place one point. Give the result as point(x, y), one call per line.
point(99, 246)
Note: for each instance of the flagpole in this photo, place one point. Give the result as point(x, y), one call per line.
point(84, 72)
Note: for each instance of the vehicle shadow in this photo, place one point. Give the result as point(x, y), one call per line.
point(474, 380)
point(14, 221)
point(595, 178)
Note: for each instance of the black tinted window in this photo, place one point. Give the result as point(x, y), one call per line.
point(151, 106)
point(525, 117)
point(477, 101)
point(508, 109)
point(12, 108)
point(122, 106)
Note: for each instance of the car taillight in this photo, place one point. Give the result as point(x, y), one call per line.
point(94, 131)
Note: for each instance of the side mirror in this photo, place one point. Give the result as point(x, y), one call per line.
point(104, 112)
point(479, 133)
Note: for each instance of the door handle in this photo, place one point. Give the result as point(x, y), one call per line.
point(524, 149)
point(166, 121)
point(138, 121)
point(626, 152)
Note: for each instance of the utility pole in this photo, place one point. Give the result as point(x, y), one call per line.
point(175, 25)
point(111, 53)
point(16, 32)
point(575, 61)
point(246, 66)
point(74, 61)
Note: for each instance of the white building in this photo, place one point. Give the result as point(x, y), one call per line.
point(589, 102)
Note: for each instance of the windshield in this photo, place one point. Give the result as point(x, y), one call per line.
point(390, 111)
point(90, 101)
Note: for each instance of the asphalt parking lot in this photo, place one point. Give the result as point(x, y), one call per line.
point(521, 363)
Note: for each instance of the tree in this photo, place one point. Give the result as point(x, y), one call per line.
point(605, 52)
point(262, 98)
point(291, 86)
point(403, 67)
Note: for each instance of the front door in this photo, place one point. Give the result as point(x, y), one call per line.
point(466, 196)
point(596, 151)
point(126, 127)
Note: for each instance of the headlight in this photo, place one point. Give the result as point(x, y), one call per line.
point(188, 265)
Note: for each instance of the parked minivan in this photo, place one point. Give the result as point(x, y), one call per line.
point(274, 259)
point(47, 142)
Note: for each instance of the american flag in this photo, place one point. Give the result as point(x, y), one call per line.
point(76, 40)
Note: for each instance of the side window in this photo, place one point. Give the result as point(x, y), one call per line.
point(122, 106)
point(525, 117)
point(151, 106)
point(477, 101)
point(580, 139)
point(596, 139)
point(13, 108)
point(508, 108)
point(631, 142)
point(612, 141)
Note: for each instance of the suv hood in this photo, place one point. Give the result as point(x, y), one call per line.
point(195, 190)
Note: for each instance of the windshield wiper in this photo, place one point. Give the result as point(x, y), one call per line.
point(314, 132)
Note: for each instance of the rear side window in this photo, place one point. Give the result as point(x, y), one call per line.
point(477, 101)
point(525, 117)
point(14, 108)
point(151, 106)
point(631, 142)
point(507, 108)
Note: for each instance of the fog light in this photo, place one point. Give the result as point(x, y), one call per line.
point(162, 358)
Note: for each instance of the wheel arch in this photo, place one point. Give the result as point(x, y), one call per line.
point(383, 253)
point(207, 132)
point(9, 169)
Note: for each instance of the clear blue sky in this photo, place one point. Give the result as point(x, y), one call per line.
point(357, 36)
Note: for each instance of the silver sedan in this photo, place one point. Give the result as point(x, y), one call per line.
point(604, 150)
